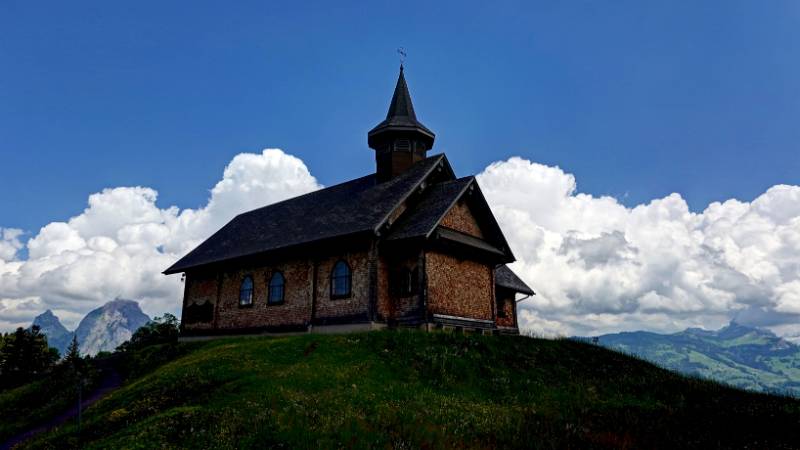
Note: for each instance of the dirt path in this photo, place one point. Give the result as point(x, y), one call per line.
point(110, 381)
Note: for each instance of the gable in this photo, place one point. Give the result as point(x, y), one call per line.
point(453, 210)
point(461, 218)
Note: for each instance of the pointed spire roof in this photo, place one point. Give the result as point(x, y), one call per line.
point(401, 115)
point(401, 105)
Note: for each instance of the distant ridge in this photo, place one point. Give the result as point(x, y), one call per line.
point(737, 354)
point(102, 329)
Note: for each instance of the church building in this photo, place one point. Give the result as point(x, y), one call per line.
point(410, 245)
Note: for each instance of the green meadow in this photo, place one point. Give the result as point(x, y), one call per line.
point(404, 389)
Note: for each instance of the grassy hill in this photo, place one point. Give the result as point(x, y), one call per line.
point(739, 355)
point(419, 390)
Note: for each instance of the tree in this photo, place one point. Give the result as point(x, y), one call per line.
point(24, 355)
point(73, 355)
point(161, 330)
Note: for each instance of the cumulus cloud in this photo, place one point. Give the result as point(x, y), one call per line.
point(119, 245)
point(599, 266)
point(596, 265)
point(9, 243)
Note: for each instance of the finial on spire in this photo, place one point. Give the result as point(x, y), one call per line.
point(403, 54)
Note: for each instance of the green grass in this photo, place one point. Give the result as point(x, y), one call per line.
point(31, 404)
point(396, 389)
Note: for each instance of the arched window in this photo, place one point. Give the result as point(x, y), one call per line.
point(246, 291)
point(276, 288)
point(341, 278)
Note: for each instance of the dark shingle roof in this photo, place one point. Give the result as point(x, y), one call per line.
point(426, 214)
point(360, 205)
point(504, 277)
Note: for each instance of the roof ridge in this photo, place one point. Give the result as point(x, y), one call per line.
point(352, 206)
point(372, 175)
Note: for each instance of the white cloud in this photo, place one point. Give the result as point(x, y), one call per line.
point(9, 243)
point(120, 244)
point(599, 266)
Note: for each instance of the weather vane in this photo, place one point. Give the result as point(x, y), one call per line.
point(402, 52)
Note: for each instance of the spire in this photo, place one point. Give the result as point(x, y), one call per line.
point(401, 117)
point(400, 140)
point(401, 105)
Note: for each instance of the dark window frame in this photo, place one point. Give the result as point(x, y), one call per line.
point(500, 303)
point(407, 282)
point(252, 291)
point(348, 277)
point(270, 301)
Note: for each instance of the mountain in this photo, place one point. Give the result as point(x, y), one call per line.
point(739, 355)
point(57, 334)
point(104, 328)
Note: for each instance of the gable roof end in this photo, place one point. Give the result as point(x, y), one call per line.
point(426, 216)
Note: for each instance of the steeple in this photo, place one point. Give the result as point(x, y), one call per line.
point(400, 140)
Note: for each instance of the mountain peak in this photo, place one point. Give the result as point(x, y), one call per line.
point(48, 319)
point(47, 315)
point(736, 329)
point(57, 334)
point(736, 324)
point(108, 326)
point(102, 329)
point(121, 304)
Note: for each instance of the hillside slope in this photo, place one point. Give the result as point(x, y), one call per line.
point(739, 355)
point(421, 390)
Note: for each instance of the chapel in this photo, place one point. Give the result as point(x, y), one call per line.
point(410, 245)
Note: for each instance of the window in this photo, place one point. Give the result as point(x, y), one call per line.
point(246, 291)
point(340, 280)
point(405, 282)
point(276, 288)
point(501, 304)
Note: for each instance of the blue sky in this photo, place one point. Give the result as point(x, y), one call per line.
point(637, 99)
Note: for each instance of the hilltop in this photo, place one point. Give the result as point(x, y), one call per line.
point(740, 355)
point(394, 389)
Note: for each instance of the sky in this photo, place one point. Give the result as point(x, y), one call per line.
point(647, 150)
